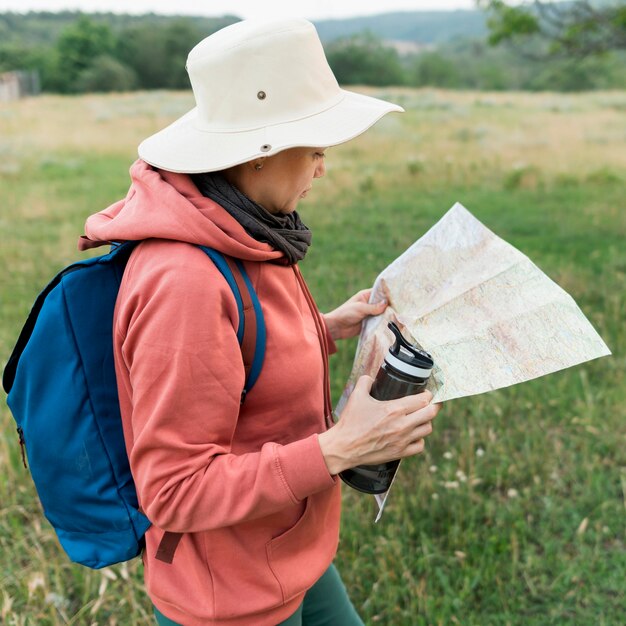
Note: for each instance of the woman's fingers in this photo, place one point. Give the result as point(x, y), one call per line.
point(410, 411)
point(422, 431)
point(417, 443)
point(425, 414)
point(422, 428)
point(410, 404)
point(362, 296)
point(407, 404)
point(418, 426)
point(416, 447)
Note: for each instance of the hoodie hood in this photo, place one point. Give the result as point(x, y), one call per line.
point(168, 205)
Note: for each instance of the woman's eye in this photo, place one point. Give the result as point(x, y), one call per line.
point(320, 155)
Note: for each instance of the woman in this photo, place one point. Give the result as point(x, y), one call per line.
point(252, 487)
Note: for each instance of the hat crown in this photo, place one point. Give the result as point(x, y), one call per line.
point(255, 73)
point(260, 87)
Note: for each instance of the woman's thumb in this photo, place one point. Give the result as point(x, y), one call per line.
point(364, 384)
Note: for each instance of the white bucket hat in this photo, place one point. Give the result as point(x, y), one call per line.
point(260, 87)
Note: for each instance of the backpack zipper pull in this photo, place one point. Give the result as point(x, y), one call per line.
point(20, 434)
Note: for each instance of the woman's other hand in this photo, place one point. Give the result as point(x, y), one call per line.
point(371, 431)
point(345, 321)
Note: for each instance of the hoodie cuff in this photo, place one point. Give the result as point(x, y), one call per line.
point(303, 467)
point(332, 346)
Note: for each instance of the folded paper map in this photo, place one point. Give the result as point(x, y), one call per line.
point(485, 312)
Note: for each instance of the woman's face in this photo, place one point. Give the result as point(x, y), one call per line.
point(286, 178)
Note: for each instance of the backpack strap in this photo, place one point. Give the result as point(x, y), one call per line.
point(251, 336)
point(251, 331)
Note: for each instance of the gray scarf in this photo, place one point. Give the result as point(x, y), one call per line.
point(284, 232)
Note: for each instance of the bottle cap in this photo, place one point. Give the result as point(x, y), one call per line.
point(407, 358)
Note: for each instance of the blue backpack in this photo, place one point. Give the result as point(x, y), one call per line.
point(61, 386)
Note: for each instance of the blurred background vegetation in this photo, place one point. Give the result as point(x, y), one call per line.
point(571, 46)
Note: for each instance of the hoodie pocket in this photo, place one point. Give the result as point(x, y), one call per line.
point(300, 555)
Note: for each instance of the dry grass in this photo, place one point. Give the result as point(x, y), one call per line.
point(556, 133)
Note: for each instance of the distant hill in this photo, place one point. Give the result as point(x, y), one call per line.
point(421, 27)
point(417, 27)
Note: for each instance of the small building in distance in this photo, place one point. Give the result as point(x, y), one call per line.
point(19, 84)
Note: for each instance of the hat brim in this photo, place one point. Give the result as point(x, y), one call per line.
point(185, 148)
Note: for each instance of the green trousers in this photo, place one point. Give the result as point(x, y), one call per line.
point(326, 603)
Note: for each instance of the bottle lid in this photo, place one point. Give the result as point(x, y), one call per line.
point(407, 358)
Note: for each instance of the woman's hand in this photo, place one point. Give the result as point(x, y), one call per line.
point(345, 321)
point(371, 431)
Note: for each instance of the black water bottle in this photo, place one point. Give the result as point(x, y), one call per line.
point(405, 371)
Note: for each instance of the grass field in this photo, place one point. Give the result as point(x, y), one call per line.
point(515, 514)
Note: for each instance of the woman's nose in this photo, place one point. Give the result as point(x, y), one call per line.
point(320, 170)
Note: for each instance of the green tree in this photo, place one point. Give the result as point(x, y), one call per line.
point(564, 29)
point(106, 74)
point(577, 74)
point(158, 53)
point(76, 50)
point(435, 70)
point(365, 60)
point(179, 38)
point(16, 56)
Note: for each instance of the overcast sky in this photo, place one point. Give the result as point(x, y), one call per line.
point(311, 9)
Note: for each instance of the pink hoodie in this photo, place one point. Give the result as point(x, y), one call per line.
point(246, 484)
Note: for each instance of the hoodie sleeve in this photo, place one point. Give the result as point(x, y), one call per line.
point(180, 369)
